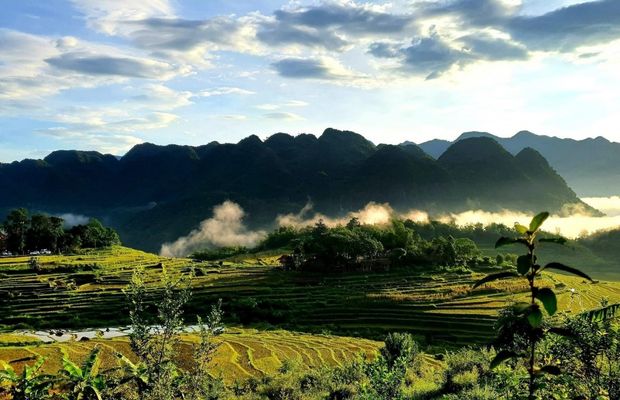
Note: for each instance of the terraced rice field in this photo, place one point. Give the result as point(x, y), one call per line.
point(242, 353)
point(438, 308)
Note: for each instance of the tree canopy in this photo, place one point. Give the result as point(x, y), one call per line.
point(22, 233)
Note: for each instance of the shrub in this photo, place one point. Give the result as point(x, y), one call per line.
point(399, 347)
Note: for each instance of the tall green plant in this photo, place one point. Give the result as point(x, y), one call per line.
point(529, 268)
point(154, 339)
point(83, 382)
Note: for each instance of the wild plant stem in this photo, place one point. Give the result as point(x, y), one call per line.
point(532, 337)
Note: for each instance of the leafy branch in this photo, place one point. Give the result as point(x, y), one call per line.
point(529, 268)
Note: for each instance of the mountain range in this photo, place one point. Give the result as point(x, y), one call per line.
point(590, 166)
point(155, 194)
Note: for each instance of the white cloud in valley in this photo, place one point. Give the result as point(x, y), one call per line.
point(225, 228)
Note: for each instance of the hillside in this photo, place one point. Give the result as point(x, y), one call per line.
point(590, 166)
point(168, 190)
point(86, 291)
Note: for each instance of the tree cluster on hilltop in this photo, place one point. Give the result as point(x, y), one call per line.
point(360, 246)
point(22, 233)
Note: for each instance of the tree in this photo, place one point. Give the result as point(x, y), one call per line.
point(399, 347)
point(38, 236)
point(2, 240)
point(16, 226)
point(92, 235)
point(154, 340)
point(56, 233)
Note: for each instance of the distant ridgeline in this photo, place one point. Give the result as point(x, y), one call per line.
point(591, 166)
point(22, 233)
point(155, 194)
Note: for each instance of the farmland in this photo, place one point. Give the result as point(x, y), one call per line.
point(281, 326)
point(438, 307)
point(242, 353)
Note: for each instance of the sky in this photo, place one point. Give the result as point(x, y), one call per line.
point(106, 75)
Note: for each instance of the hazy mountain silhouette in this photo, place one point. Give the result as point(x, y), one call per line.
point(157, 193)
point(590, 166)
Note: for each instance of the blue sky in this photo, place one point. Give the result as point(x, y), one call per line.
point(108, 74)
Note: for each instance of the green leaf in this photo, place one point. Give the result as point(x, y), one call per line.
point(551, 370)
point(565, 268)
point(558, 240)
point(92, 362)
point(501, 357)
point(70, 368)
point(520, 228)
point(538, 220)
point(494, 277)
point(548, 299)
point(505, 241)
point(604, 313)
point(535, 318)
point(524, 264)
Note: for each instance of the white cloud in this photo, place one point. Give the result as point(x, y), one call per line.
point(158, 97)
point(108, 130)
point(103, 64)
point(224, 229)
point(283, 116)
point(295, 103)
point(116, 144)
point(231, 117)
point(268, 107)
point(372, 214)
point(273, 107)
point(223, 91)
point(570, 226)
point(106, 15)
point(35, 67)
point(610, 206)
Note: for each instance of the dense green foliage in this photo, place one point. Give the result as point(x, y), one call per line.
point(24, 233)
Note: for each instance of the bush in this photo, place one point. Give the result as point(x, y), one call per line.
point(399, 347)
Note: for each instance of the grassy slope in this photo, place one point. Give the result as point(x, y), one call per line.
point(574, 254)
point(438, 308)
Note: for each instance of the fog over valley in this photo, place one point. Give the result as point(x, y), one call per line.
point(226, 227)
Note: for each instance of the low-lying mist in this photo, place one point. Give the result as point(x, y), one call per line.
point(71, 220)
point(371, 214)
point(226, 227)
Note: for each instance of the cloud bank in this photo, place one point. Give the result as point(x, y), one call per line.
point(571, 224)
point(226, 227)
